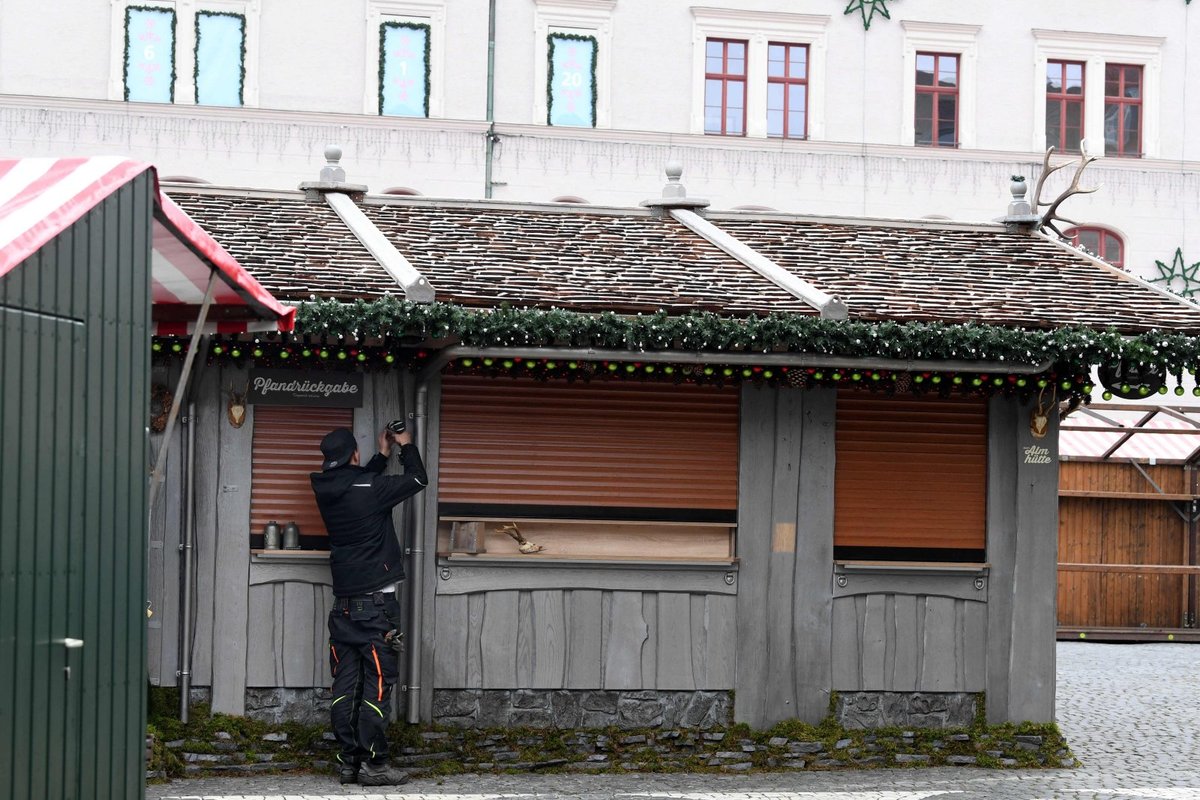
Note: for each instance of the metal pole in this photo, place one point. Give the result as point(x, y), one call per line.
point(418, 565)
point(156, 477)
point(185, 553)
point(490, 136)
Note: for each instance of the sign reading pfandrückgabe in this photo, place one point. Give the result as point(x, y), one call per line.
point(285, 387)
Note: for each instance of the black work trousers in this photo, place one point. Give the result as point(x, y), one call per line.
point(365, 667)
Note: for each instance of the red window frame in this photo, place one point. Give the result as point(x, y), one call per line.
point(1122, 106)
point(788, 80)
point(937, 92)
point(1064, 99)
point(725, 77)
point(1106, 241)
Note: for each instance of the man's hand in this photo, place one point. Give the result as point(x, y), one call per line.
point(402, 438)
point(385, 442)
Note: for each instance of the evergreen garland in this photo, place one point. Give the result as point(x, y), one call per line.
point(550, 70)
point(241, 56)
point(1078, 347)
point(125, 69)
point(416, 26)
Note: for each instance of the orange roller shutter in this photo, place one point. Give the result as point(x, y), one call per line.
point(607, 444)
point(286, 448)
point(911, 475)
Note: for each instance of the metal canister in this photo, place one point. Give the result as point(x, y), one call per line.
point(291, 536)
point(271, 536)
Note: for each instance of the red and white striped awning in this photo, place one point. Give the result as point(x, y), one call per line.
point(41, 197)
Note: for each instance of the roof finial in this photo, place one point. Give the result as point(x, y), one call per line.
point(674, 195)
point(1020, 213)
point(332, 171)
point(674, 188)
point(333, 179)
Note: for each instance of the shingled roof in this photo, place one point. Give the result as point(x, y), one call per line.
point(957, 273)
point(574, 257)
point(587, 258)
point(295, 248)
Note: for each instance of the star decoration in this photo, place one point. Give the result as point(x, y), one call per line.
point(1176, 273)
point(860, 6)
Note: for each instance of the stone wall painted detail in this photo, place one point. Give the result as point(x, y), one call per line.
point(867, 710)
point(498, 708)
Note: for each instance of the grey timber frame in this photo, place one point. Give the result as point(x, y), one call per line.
point(74, 369)
point(783, 627)
point(785, 543)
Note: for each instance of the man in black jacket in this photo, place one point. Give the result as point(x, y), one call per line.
point(368, 565)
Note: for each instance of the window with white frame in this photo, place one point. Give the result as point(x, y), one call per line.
point(220, 69)
point(1118, 103)
point(939, 84)
point(572, 47)
point(148, 75)
point(404, 69)
point(769, 83)
point(184, 52)
point(571, 79)
point(787, 90)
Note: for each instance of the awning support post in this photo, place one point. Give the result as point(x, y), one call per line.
point(156, 476)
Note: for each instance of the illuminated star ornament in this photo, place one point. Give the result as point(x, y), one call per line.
point(876, 6)
point(1177, 277)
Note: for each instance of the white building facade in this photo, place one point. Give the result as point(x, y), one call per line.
point(894, 108)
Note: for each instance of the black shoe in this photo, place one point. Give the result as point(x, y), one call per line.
point(347, 773)
point(381, 775)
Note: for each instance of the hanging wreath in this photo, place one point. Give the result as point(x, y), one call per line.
point(160, 407)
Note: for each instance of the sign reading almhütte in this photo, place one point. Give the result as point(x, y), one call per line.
point(285, 387)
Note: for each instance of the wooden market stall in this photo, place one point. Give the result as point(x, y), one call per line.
point(1128, 513)
point(93, 261)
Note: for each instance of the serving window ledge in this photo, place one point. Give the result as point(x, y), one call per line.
point(288, 556)
point(911, 567)
point(937, 579)
point(467, 574)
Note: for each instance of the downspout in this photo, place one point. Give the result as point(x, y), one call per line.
point(185, 550)
point(490, 136)
point(416, 621)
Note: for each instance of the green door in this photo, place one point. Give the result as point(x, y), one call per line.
point(42, 360)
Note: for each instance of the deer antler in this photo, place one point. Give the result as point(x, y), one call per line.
point(1048, 219)
point(523, 544)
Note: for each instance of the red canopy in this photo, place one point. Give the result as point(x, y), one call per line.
point(41, 197)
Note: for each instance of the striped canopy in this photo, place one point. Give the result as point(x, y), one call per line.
point(41, 197)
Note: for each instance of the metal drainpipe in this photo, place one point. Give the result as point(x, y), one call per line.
point(490, 136)
point(418, 569)
point(185, 549)
point(416, 622)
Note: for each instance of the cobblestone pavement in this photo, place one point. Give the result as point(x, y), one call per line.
point(1130, 713)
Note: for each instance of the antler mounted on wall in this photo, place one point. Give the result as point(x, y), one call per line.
point(1052, 215)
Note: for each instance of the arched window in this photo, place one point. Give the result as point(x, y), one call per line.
point(1101, 241)
point(402, 191)
point(569, 198)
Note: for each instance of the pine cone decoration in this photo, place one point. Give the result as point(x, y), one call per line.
point(903, 382)
point(797, 378)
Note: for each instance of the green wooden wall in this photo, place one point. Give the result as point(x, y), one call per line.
point(74, 368)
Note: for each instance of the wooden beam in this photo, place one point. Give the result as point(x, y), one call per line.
point(1137, 569)
point(1125, 495)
